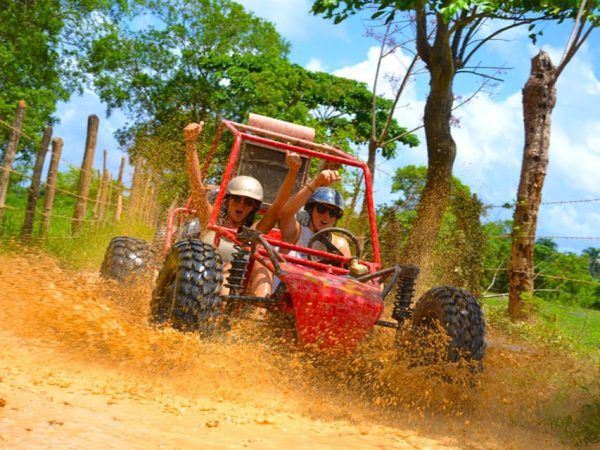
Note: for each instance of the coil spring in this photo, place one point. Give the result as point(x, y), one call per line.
point(403, 299)
point(239, 267)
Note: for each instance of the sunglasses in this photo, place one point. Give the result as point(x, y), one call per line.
point(245, 200)
point(333, 212)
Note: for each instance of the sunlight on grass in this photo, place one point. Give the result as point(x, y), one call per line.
point(568, 327)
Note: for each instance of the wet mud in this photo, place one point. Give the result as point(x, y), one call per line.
point(80, 367)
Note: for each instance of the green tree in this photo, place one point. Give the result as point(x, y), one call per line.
point(563, 277)
point(593, 255)
point(458, 253)
point(41, 49)
point(448, 35)
point(496, 254)
point(29, 64)
point(205, 59)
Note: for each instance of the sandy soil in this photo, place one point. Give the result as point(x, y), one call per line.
point(80, 368)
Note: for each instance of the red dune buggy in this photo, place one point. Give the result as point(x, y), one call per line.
point(334, 301)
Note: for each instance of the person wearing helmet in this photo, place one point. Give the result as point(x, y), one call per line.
point(243, 197)
point(324, 206)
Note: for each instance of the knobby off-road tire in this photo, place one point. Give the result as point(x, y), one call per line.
point(187, 293)
point(460, 316)
point(127, 258)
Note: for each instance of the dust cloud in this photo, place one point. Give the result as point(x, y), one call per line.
point(80, 367)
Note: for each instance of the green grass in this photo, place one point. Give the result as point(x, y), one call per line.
point(83, 251)
point(573, 412)
point(582, 325)
point(569, 327)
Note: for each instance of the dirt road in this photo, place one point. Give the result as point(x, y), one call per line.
point(80, 368)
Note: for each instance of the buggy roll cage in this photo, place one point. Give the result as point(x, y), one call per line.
point(245, 133)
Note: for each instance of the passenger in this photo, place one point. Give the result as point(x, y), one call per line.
point(324, 206)
point(243, 198)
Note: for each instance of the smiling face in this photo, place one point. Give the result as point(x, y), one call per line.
point(323, 216)
point(239, 208)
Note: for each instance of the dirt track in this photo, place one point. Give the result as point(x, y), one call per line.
point(80, 368)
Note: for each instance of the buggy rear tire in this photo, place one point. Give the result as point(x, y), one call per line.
point(125, 258)
point(187, 293)
point(460, 316)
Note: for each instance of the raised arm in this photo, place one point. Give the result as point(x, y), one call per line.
point(200, 201)
point(290, 228)
point(268, 221)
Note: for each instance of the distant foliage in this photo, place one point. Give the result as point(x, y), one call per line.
point(564, 278)
point(459, 250)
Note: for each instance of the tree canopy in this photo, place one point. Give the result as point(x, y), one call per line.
point(42, 46)
point(447, 36)
point(199, 60)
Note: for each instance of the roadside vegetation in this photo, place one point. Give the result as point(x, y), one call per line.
point(226, 62)
point(83, 251)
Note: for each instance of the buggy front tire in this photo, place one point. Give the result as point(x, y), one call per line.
point(187, 293)
point(460, 316)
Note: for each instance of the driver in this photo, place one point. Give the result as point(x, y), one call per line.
point(324, 206)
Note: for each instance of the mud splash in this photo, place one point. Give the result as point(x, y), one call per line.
point(95, 335)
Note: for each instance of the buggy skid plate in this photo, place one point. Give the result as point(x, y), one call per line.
point(332, 311)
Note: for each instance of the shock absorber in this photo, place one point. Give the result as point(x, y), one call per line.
point(404, 294)
point(239, 267)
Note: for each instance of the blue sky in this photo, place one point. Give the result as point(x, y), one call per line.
point(490, 134)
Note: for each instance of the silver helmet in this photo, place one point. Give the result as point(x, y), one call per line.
point(245, 186)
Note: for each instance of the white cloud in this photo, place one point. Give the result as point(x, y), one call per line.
point(575, 148)
point(315, 65)
point(393, 65)
point(574, 221)
point(490, 140)
point(292, 19)
point(489, 146)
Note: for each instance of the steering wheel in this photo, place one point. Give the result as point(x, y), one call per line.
point(324, 237)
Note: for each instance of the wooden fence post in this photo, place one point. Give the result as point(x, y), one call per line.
point(97, 199)
point(9, 155)
point(103, 194)
point(85, 176)
point(119, 192)
point(108, 199)
point(135, 195)
point(120, 176)
point(57, 145)
point(143, 213)
point(34, 188)
point(98, 207)
point(119, 209)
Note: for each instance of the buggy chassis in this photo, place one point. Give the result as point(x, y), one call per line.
point(333, 306)
point(333, 301)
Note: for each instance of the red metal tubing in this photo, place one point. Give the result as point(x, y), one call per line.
point(235, 149)
point(171, 224)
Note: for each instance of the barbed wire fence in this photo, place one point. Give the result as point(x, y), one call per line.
point(109, 202)
point(98, 201)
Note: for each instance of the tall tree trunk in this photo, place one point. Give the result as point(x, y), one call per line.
point(441, 151)
point(539, 98)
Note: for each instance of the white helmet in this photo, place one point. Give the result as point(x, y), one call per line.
point(245, 186)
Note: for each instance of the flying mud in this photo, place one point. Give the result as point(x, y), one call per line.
point(80, 367)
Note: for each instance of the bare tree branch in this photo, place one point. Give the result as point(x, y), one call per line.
point(576, 38)
point(374, 97)
point(399, 92)
point(423, 47)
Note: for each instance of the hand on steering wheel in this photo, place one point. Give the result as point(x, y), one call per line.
point(324, 237)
